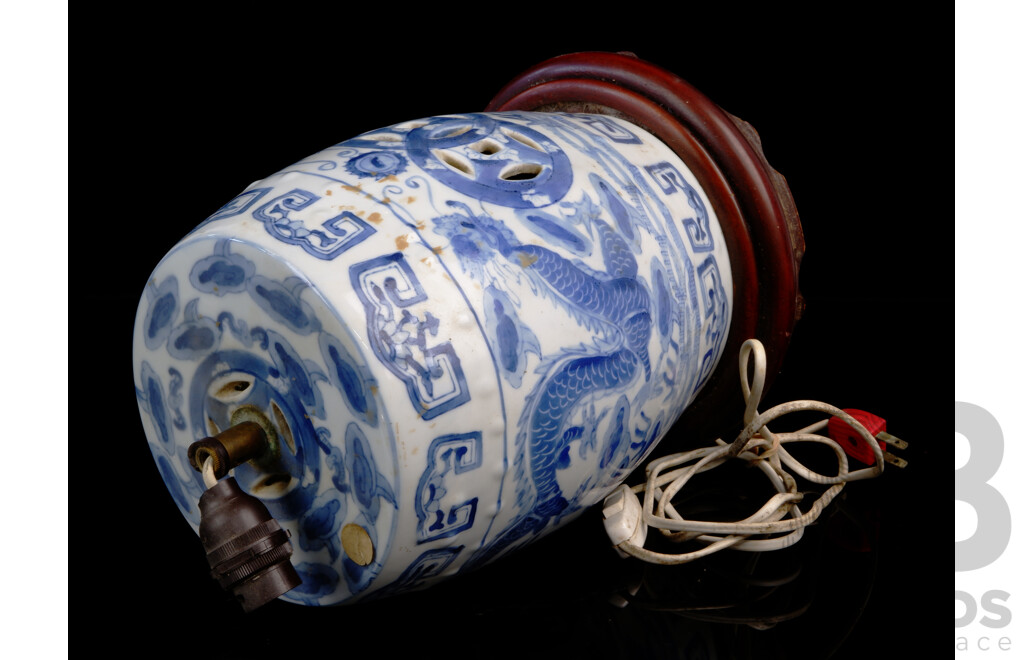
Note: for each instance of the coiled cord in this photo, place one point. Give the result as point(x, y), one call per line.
point(780, 518)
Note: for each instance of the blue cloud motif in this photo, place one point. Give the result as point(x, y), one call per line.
point(195, 337)
point(282, 302)
point(352, 379)
point(297, 373)
point(317, 580)
point(615, 456)
point(620, 212)
point(163, 308)
point(152, 394)
point(665, 302)
point(336, 463)
point(223, 272)
point(368, 485)
point(321, 525)
point(557, 231)
point(175, 399)
point(511, 339)
point(653, 435)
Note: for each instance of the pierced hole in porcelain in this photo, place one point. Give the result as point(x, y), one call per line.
point(521, 139)
point(384, 137)
point(282, 425)
point(451, 132)
point(231, 388)
point(212, 426)
point(521, 172)
point(455, 162)
point(272, 485)
point(486, 147)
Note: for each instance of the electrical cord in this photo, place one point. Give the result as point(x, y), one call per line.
point(780, 519)
point(209, 476)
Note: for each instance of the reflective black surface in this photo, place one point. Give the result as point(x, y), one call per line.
point(194, 113)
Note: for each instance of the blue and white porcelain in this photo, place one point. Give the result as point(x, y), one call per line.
point(460, 332)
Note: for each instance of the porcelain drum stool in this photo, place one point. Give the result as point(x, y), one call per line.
point(457, 333)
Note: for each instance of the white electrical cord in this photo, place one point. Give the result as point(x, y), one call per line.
point(209, 477)
point(780, 518)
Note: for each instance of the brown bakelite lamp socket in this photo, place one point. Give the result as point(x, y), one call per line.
point(247, 550)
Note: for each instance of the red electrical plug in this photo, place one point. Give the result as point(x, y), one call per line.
point(854, 445)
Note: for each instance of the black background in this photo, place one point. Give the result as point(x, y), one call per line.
point(846, 107)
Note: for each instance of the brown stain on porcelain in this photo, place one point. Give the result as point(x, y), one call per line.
point(527, 260)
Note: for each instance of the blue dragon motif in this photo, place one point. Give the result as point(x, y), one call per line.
point(615, 302)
